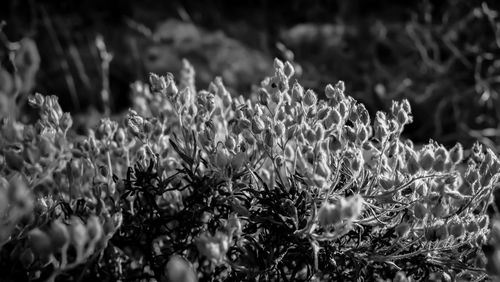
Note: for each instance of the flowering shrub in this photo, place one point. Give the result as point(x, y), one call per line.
point(202, 185)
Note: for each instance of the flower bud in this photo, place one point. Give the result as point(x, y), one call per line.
point(171, 89)
point(457, 229)
point(27, 258)
point(281, 115)
point(349, 134)
point(441, 231)
point(278, 64)
point(440, 209)
point(402, 117)
point(419, 210)
point(245, 123)
point(310, 136)
point(234, 224)
point(356, 164)
point(310, 98)
point(438, 164)
point(456, 153)
point(39, 242)
point(483, 222)
point(343, 109)
point(363, 114)
point(329, 91)
point(297, 93)
point(66, 121)
point(422, 189)
point(330, 214)
point(340, 86)
point(108, 226)
point(36, 101)
point(362, 134)
point(279, 128)
point(334, 143)
point(59, 234)
point(412, 164)
point(400, 277)
point(18, 192)
point(268, 138)
point(402, 229)
point(94, 228)
point(222, 158)
point(230, 143)
point(324, 214)
point(120, 136)
point(213, 247)
point(238, 160)
point(323, 113)
point(353, 208)
point(319, 132)
point(426, 159)
point(472, 226)
point(13, 160)
point(430, 233)
point(333, 118)
point(276, 96)
point(291, 131)
point(157, 83)
point(353, 116)
point(78, 233)
point(257, 125)
point(263, 96)
point(481, 240)
point(386, 183)
point(179, 270)
point(289, 70)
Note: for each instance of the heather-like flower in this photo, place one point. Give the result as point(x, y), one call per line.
point(27, 258)
point(213, 247)
point(426, 159)
point(257, 125)
point(419, 210)
point(297, 93)
point(441, 230)
point(263, 96)
point(59, 235)
point(94, 228)
point(310, 98)
point(472, 226)
point(179, 270)
point(65, 122)
point(157, 83)
point(353, 207)
point(330, 214)
point(456, 228)
point(79, 235)
point(456, 153)
point(402, 229)
point(412, 163)
point(334, 143)
point(39, 242)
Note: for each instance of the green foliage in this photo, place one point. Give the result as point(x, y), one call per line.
point(202, 185)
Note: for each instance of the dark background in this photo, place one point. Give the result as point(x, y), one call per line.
point(441, 55)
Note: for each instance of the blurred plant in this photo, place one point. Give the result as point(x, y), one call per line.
point(441, 56)
point(19, 65)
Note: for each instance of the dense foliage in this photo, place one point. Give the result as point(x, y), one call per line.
point(201, 185)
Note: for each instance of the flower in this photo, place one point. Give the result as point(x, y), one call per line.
point(213, 247)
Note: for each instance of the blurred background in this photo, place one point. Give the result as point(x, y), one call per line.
point(442, 55)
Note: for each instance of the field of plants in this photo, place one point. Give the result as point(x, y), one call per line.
point(332, 162)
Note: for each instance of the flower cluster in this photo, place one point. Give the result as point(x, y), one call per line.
point(281, 186)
